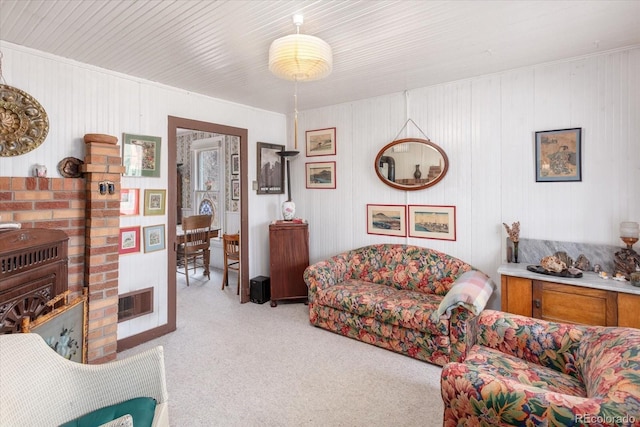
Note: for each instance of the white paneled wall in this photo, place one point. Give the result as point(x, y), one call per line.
point(81, 99)
point(486, 126)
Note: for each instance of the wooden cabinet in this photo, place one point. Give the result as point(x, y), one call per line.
point(289, 257)
point(569, 303)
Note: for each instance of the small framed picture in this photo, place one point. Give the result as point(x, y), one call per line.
point(321, 142)
point(154, 239)
point(432, 222)
point(129, 240)
point(270, 169)
point(141, 155)
point(130, 201)
point(235, 164)
point(387, 220)
point(64, 329)
point(154, 202)
point(321, 174)
point(235, 189)
point(559, 155)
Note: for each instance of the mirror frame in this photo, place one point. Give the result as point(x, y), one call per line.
point(411, 187)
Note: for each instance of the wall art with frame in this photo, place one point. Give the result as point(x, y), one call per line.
point(64, 329)
point(154, 238)
point(235, 189)
point(130, 201)
point(321, 174)
point(141, 155)
point(235, 164)
point(387, 220)
point(154, 202)
point(270, 169)
point(321, 142)
point(129, 241)
point(432, 222)
point(559, 155)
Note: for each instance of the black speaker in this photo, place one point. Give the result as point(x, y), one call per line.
point(260, 288)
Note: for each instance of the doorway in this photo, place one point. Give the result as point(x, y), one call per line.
point(176, 123)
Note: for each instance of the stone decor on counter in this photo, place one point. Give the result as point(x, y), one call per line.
point(531, 251)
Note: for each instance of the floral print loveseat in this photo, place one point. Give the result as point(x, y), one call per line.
point(408, 299)
point(523, 371)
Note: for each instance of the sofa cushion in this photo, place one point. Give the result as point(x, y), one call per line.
point(141, 409)
point(493, 363)
point(409, 309)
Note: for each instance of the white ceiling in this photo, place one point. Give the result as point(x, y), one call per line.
point(220, 48)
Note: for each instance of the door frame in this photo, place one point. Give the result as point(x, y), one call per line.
point(174, 123)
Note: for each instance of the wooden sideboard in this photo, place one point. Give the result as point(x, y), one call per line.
point(289, 257)
point(589, 300)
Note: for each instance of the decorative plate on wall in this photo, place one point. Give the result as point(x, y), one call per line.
point(23, 122)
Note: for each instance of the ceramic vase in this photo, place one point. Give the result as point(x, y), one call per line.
point(288, 210)
point(417, 174)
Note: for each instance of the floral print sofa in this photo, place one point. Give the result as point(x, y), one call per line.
point(412, 300)
point(524, 371)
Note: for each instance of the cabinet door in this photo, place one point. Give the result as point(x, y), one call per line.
point(629, 310)
point(574, 304)
point(516, 295)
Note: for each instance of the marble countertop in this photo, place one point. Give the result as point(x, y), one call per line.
point(589, 279)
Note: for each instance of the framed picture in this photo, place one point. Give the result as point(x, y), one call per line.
point(130, 201)
point(64, 329)
point(154, 202)
point(432, 222)
point(270, 169)
point(321, 142)
point(154, 238)
point(235, 164)
point(235, 189)
point(388, 220)
point(141, 155)
point(321, 174)
point(558, 155)
point(129, 241)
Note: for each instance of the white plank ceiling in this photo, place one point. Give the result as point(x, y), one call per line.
point(220, 48)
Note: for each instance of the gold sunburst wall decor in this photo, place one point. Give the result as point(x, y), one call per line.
point(23, 122)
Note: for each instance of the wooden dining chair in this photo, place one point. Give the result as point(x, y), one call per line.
point(231, 258)
point(194, 244)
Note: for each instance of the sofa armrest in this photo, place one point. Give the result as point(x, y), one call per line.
point(471, 290)
point(549, 344)
point(325, 273)
point(462, 333)
point(471, 397)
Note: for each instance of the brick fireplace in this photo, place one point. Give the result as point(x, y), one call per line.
point(92, 222)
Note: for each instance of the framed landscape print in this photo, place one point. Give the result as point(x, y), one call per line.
point(130, 201)
point(154, 202)
point(64, 329)
point(321, 142)
point(141, 155)
point(321, 174)
point(154, 239)
point(559, 155)
point(432, 222)
point(129, 241)
point(387, 220)
point(270, 169)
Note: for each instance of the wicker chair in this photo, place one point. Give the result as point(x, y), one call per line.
point(38, 387)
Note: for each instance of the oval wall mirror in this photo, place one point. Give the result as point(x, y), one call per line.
point(411, 164)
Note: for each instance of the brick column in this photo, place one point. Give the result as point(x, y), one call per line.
point(103, 162)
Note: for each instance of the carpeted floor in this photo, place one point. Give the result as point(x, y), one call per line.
point(232, 364)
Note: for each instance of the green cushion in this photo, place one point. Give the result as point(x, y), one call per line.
point(141, 409)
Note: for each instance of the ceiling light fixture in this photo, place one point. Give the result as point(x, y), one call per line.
point(300, 58)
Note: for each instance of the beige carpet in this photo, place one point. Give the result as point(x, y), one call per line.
point(232, 364)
